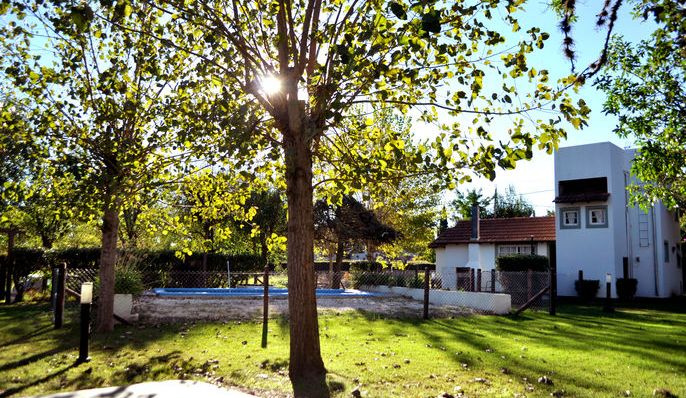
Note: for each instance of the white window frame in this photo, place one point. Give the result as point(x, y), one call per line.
point(563, 218)
point(516, 249)
point(589, 217)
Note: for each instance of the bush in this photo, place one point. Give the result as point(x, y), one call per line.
point(128, 280)
point(416, 283)
point(397, 280)
point(587, 289)
point(626, 288)
point(522, 262)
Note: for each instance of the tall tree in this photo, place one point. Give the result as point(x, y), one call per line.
point(509, 205)
point(99, 102)
point(268, 225)
point(645, 84)
point(348, 222)
point(463, 203)
point(307, 63)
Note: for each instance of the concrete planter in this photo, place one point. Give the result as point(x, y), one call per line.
point(123, 304)
point(496, 303)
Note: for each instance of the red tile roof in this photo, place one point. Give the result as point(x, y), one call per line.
point(497, 230)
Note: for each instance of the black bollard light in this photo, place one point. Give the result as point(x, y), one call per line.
point(608, 297)
point(86, 301)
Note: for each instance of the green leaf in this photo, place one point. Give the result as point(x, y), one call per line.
point(431, 22)
point(398, 10)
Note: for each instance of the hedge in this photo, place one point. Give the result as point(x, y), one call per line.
point(522, 262)
point(30, 260)
point(364, 266)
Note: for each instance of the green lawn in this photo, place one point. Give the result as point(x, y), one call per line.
point(583, 351)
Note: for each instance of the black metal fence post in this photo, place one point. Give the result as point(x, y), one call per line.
point(427, 286)
point(493, 273)
point(553, 289)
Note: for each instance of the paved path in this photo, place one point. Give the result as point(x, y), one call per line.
point(159, 389)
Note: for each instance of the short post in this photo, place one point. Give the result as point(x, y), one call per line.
point(265, 307)
point(427, 285)
point(553, 289)
point(478, 280)
point(471, 279)
point(59, 296)
point(493, 281)
point(86, 301)
point(608, 296)
point(625, 267)
point(581, 274)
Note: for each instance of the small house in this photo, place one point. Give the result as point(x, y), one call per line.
point(475, 244)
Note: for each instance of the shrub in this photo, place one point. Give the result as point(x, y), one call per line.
point(360, 266)
point(626, 288)
point(587, 289)
point(128, 280)
point(416, 282)
point(368, 279)
point(522, 262)
point(397, 280)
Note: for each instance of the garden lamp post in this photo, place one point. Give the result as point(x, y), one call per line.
point(86, 301)
point(608, 293)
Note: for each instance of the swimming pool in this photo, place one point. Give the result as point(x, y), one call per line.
point(256, 291)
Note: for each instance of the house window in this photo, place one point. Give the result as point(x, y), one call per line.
point(569, 218)
point(596, 217)
point(504, 250)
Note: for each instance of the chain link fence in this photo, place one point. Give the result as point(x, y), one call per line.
point(469, 289)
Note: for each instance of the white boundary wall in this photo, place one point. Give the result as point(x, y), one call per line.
point(496, 303)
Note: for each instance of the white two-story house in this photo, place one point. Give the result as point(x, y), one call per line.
point(598, 231)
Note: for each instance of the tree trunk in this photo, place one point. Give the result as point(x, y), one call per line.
point(108, 259)
point(19, 287)
point(336, 282)
point(46, 241)
point(306, 368)
point(264, 254)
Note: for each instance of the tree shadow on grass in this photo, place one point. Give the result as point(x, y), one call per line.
point(18, 389)
point(22, 339)
point(585, 331)
point(36, 357)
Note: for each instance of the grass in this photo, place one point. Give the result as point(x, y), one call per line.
point(583, 351)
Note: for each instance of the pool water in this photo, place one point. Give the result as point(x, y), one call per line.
point(256, 291)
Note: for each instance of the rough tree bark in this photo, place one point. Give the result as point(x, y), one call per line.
point(108, 259)
point(306, 369)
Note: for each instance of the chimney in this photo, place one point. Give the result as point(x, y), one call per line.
point(475, 222)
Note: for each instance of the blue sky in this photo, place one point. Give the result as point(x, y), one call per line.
point(535, 178)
